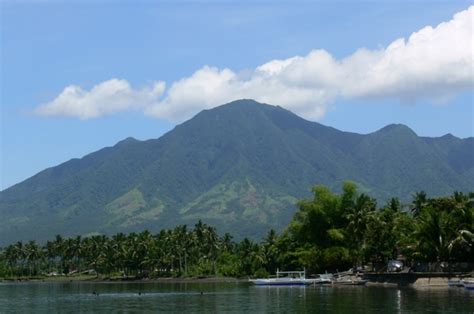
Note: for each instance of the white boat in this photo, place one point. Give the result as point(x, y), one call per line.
point(349, 281)
point(468, 283)
point(290, 278)
point(455, 282)
point(324, 279)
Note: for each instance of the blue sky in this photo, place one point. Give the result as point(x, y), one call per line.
point(47, 46)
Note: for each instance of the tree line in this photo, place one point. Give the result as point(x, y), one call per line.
point(329, 231)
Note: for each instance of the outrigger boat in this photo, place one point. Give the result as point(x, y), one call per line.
point(349, 281)
point(455, 282)
point(468, 283)
point(348, 278)
point(290, 278)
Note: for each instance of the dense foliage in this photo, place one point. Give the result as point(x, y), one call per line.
point(337, 231)
point(329, 232)
point(239, 167)
point(176, 252)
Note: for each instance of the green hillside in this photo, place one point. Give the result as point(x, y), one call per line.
point(240, 167)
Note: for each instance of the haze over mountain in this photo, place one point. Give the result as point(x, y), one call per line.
point(241, 167)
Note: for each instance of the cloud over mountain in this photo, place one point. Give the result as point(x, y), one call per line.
point(434, 63)
point(106, 98)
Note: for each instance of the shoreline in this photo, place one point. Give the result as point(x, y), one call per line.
point(83, 279)
point(412, 279)
point(388, 280)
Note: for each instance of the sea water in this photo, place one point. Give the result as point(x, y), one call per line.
point(108, 297)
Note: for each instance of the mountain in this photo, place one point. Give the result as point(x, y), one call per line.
point(241, 166)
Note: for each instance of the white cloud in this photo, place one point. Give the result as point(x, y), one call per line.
point(209, 87)
point(106, 98)
point(433, 63)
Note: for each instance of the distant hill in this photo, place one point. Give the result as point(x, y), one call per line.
point(241, 166)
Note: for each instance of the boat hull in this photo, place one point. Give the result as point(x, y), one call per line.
point(468, 284)
point(350, 282)
point(455, 283)
point(292, 278)
point(282, 284)
point(273, 282)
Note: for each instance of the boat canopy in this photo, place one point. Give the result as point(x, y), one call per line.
point(298, 273)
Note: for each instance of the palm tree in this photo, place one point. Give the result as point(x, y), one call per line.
point(432, 241)
point(420, 200)
point(32, 256)
point(227, 244)
point(461, 222)
point(72, 253)
point(463, 245)
point(358, 218)
point(211, 245)
point(50, 253)
point(59, 252)
point(144, 242)
point(94, 252)
point(179, 239)
point(270, 251)
point(251, 257)
point(119, 247)
point(394, 204)
point(160, 255)
point(20, 254)
point(12, 257)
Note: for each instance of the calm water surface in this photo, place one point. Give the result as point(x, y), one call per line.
point(185, 298)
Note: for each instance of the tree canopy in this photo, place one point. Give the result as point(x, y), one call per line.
point(328, 232)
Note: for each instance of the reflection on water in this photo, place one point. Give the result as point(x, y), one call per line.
point(399, 301)
point(194, 297)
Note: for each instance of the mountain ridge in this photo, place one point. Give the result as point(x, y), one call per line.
point(241, 166)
